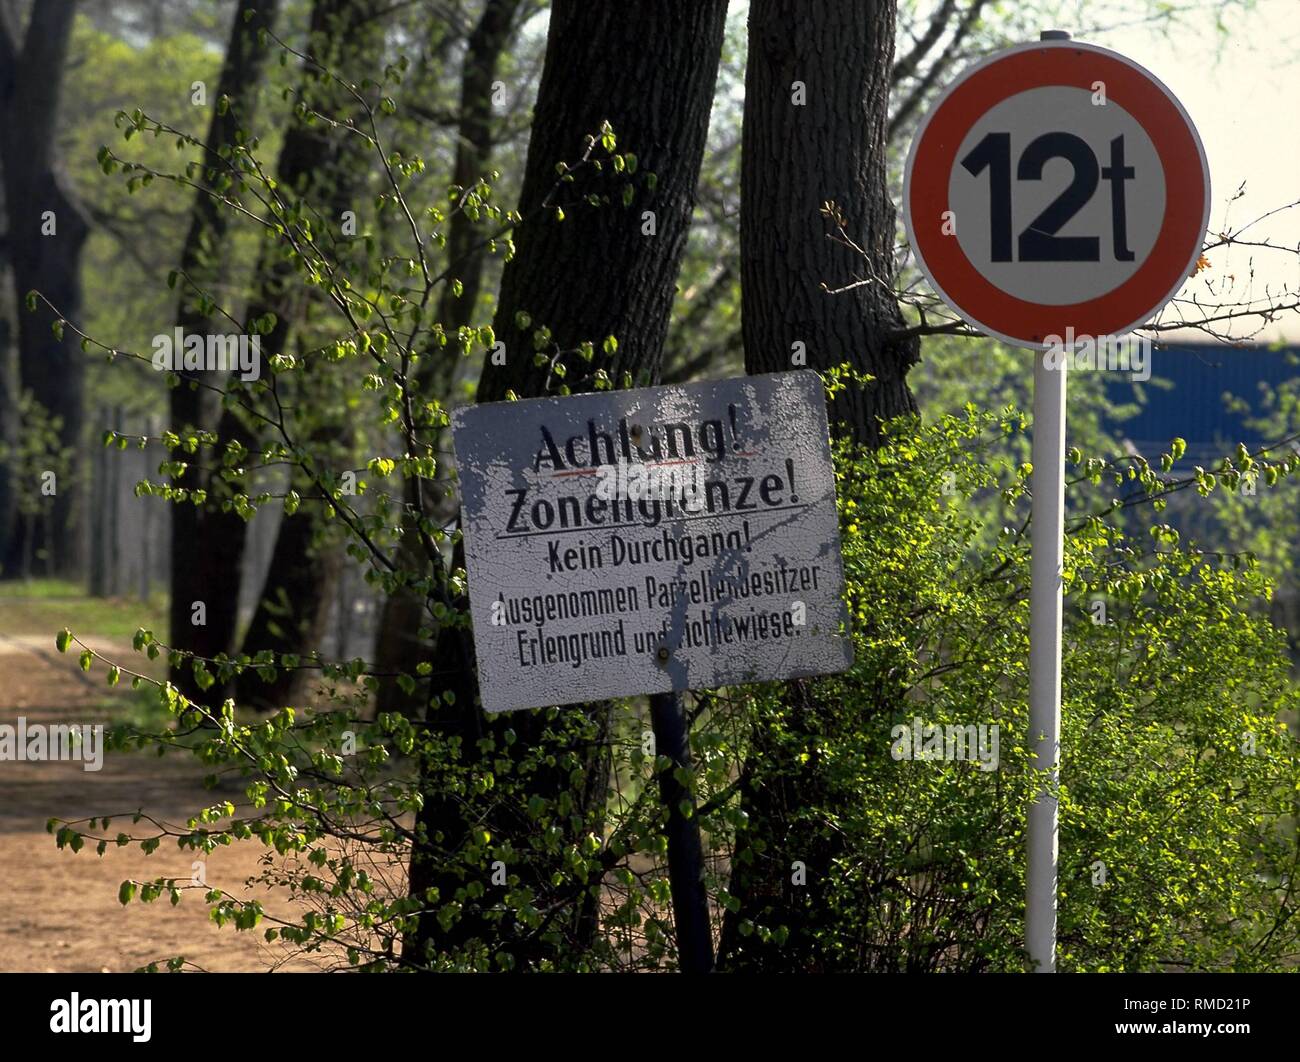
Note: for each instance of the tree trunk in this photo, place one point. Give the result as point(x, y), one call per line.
point(47, 232)
point(328, 170)
point(397, 649)
point(816, 107)
point(293, 609)
point(652, 78)
point(649, 70)
point(474, 143)
point(207, 544)
point(8, 423)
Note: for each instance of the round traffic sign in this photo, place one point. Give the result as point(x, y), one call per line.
point(1056, 188)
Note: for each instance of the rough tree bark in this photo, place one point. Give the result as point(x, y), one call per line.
point(798, 155)
point(328, 169)
point(835, 57)
point(603, 62)
point(46, 234)
point(650, 71)
point(208, 544)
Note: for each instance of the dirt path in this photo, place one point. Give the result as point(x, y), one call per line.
point(61, 911)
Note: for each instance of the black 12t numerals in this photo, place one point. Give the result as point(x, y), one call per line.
point(1039, 241)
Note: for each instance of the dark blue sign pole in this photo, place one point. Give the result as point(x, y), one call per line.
point(685, 851)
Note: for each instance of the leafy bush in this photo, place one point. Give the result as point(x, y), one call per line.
point(1178, 785)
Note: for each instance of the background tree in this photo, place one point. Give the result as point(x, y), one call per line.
point(46, 234)
point(207, 536)
point(397, 647)
point(346, 42)
point(816, 99)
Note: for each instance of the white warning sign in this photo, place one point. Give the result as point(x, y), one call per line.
point(667, 538)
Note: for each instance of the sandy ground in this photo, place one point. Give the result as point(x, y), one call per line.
point(61, 911)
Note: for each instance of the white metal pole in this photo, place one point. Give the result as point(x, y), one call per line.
point(1046, 540)
point(1047, 531)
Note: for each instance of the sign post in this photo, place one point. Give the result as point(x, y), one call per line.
point(1046, 560)
point(685, 849)
point(1056, 197)
point(1046, 557)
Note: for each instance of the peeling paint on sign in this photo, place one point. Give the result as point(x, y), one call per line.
point(667, 538)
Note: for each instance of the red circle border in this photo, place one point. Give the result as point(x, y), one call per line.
point(1182, 229)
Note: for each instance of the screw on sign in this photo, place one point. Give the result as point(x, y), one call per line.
point(1055, 186)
